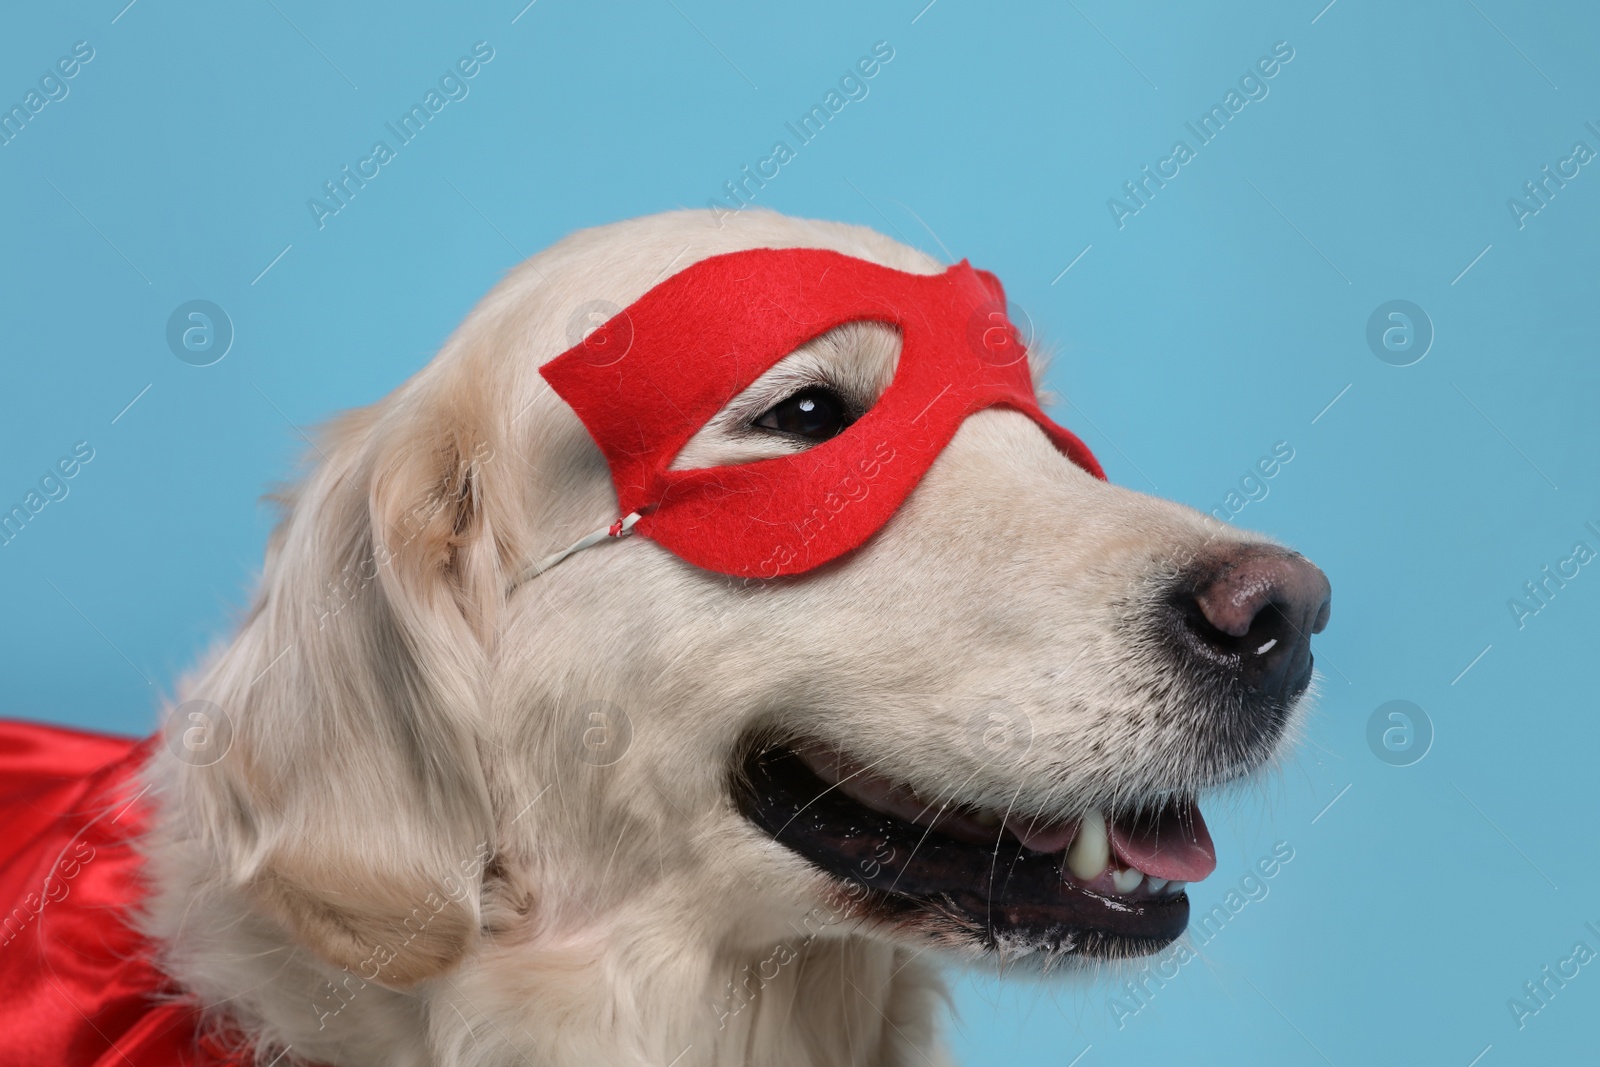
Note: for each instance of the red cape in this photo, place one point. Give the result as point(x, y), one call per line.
point(78, 985)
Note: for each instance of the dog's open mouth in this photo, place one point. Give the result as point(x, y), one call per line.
point(1090, 885)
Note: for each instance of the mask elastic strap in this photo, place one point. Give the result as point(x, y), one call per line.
point(621, 528)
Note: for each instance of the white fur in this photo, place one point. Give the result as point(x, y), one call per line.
point(417, 736)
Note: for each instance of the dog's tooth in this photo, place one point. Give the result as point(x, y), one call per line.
point(1155, 883)
point(986, 819)
point(1091, 851)
point(1126, 881)
point(1175, 887)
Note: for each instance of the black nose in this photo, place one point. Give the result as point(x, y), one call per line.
point(1251, 610)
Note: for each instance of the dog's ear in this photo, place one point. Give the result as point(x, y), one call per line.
point(352, 806)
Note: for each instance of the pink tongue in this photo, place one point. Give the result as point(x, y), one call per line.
point(1172, 844)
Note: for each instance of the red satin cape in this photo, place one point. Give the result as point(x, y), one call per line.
point(78, 985)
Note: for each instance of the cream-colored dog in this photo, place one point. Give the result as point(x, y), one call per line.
point(572, 821)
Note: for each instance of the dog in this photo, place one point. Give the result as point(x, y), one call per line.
point(476, 810)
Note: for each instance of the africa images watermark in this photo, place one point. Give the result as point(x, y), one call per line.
point(853, 487)
point(741, 191)
point(1540, 591)
point(53, 486)
point(1539, 192)
point(1138, 992)
point(1252, 88)
point(53, 889)
point(1551, 981)
point(53, 88)
point(453, 86)
point(751, 979)
point(1253, 485)
point(336, 996)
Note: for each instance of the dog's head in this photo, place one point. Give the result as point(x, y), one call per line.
point(986, 725)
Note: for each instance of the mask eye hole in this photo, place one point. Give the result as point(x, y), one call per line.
point(815, 413)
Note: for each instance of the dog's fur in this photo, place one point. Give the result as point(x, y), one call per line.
point(403, 727)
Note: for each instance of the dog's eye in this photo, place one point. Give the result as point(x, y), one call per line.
point(816, 414)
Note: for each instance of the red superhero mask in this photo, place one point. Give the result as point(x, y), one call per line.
point(646, 381)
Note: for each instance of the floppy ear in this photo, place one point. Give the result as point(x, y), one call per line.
point(352, 806)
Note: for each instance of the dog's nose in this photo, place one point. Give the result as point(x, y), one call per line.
point(1252, 609)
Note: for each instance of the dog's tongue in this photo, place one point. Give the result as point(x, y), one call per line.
point(1172, 843)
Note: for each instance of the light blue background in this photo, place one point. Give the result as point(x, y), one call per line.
point(1224, 317)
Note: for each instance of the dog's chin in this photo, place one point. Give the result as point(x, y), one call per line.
point(979, 882)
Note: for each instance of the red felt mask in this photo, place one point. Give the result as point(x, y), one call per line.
point(649, 378)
